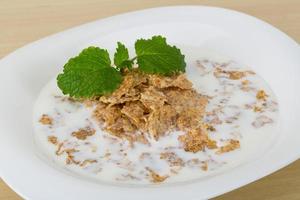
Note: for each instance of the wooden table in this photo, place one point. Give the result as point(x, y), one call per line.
point(23, 21)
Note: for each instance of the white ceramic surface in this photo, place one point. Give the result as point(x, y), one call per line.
point(248, 40)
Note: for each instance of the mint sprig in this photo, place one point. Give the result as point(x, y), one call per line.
point(91, 73)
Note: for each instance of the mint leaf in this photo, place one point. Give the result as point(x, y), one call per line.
point(89, 74)
point(121, 57)
point(155, 56)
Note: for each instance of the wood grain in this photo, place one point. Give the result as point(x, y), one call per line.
point(22, 22)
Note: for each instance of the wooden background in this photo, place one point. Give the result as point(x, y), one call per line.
point(24, 21)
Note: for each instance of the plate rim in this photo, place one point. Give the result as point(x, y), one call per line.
point(227, 189)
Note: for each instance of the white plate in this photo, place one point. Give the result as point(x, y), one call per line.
point(268, 51)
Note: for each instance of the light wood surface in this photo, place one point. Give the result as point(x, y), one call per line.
point(23, 21)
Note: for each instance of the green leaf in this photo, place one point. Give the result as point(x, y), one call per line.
point(89, 74)
point(121, 57)
point(155, 56)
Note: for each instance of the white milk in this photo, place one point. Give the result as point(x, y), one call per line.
point(130, 169)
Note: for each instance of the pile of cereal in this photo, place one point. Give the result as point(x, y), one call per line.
point(154, 105)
